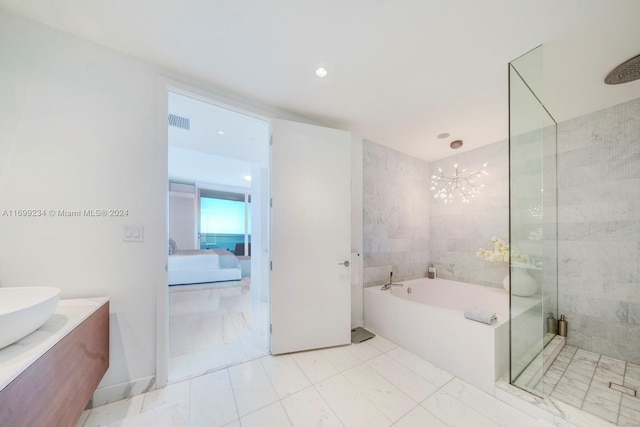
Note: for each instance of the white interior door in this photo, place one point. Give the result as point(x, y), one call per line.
point(311, 237)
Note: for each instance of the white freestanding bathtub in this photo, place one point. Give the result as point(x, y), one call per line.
point(429, 321)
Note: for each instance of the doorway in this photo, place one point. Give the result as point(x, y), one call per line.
point(218, 171)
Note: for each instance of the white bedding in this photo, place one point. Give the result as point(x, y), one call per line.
point(186, 267)
point(193, 262)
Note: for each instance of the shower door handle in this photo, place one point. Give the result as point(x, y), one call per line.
point(346, 263)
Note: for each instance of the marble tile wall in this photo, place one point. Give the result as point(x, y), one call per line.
point(458, 230)
point(599, 230)
point(598, 167)
point(405, 229)
point(396, 215)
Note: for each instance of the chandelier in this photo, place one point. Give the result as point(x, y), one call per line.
point(460, 184)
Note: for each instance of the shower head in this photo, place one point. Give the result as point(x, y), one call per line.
point(626, 72)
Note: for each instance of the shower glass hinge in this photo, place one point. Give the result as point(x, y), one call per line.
point(270, 328)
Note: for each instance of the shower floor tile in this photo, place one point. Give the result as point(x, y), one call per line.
point(584, 383)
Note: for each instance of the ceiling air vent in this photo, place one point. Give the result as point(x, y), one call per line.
point(179, 122)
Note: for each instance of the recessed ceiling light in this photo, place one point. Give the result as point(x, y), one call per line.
point(247, 177)
point(221, 132)
point(444, 135)
point(322, 72)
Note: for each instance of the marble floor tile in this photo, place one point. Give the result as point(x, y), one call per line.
point(255, 346)
point(420, 417)
point(630, 408)
point(364, 351)
point(425, 369)
point(388, 398)
point(610, 365)
point(578, 375)
point(251, 387)
point(627, 422)
point(568, 350)
point(241, 325)
point(200, 362)
point(602, 380)
point(192, 302)
point(314, 365)
point(567, 397)
point(586, 356)
point(206, 323)
point(455, 412)
point(350, 406)
point(116, 411)
point(393, 386)
point(551, 378)
point(564, 358)
point(272, 415)
point(176, 415)
point(204, 331)
point(381, 343)
point(172, 394)
point(632, 376)
point(340, 357)
point(572, 386)
point(307, 407)
point(600, 402)
point(285, 375)
point(212, 401)
point(613, 397)
point(600, 407)
point(497, 411)
point(402, 377)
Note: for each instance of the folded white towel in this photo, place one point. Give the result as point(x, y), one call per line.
point(480, 315)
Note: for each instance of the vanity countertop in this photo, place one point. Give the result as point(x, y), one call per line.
point(17, 357)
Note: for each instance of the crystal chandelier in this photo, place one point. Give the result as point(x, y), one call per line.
point(460, 184)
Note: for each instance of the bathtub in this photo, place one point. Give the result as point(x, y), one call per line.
point(430, 322)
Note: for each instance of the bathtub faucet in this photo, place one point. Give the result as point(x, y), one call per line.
point(390, 284)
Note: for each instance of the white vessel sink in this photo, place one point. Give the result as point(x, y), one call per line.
point(23, 310)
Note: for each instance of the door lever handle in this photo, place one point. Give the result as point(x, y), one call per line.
point(346, 263)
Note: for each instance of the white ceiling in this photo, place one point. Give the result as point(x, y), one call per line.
point(231, 142)
point(400, 72)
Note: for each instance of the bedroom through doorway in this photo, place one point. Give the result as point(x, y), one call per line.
point(217, 264)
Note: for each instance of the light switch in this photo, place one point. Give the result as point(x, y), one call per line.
point(133, 233)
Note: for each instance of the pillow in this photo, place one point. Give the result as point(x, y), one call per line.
point(173, 248)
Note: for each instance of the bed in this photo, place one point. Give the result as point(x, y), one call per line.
point(202, 266)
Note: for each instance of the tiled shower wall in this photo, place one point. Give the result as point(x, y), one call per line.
point(599, 230)
point(396, 215)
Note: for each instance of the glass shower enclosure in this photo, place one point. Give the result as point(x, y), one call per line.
point(533, 224)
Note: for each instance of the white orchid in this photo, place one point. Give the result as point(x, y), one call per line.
point(500, 252)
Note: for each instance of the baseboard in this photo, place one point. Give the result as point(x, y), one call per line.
point(113, 393)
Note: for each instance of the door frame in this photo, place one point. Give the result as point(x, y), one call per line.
point(198, 90)
point(163, 86)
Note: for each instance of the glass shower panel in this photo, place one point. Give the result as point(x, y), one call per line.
point(533, 266)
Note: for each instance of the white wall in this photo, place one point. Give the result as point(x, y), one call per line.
point(79, 129)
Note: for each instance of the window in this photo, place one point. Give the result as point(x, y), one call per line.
point(225, 220)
